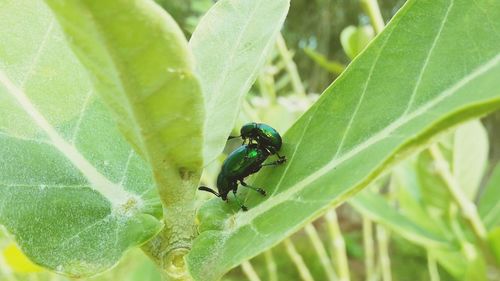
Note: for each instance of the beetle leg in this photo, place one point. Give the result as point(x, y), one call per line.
point(239, 202)
point(275, 163)
point(204, 188)
point(259, 190)
point(282, 158)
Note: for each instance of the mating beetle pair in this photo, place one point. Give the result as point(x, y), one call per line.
point(263, 141)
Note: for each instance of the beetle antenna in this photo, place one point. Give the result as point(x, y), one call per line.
point(207, 189)
point(233, 137)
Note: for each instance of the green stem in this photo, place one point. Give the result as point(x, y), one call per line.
point(297, 259)
point(467, 248)
point(383, 249)
point(432, 267)
point(272, 268)
point(318, 246)
point(467, 207)
point(249, 271)
point(369, 249)
point(372, 9)
point(291, 67)
point(338, 246)
point(266, 84)
point(247, 108)
point(170, 261)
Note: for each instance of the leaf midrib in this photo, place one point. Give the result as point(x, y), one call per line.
point(115, 62)
point(113, 192)
point(128, 89)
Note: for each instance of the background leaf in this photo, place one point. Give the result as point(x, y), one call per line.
point(331, 66)
point(386, 104)
point(489, 206)
point(355, 39)
point(72, 191)
point(376, 208)
point(230, 45)
point(494, 243)
point(470, 156)
point(466, 150)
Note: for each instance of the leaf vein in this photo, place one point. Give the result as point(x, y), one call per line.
point(111, 191)
point(80, 117)
point(426, 61)
point(360, 101)
point(38, 54)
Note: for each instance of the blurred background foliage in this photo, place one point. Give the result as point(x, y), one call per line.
point(310, 24)
point(319, 39)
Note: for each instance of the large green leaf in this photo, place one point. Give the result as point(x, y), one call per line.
point(73, 192)
point(230, 44)
point(489, 205)
point(141, 65)
point(424, 73)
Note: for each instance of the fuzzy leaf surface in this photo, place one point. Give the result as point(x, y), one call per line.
point(73, 192)
point(141, 65)
point(489, 205)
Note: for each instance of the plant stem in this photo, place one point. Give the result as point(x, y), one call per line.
point(338, 246)
point(297, 259)
point(318, 246)
point(369, 249)
point(432, 267)
point(248, 110)
point(271, 265)
point(266, 84)
point(372, 9)
point(467, 248)
point(170, 261)
point(291, 67)
point(333, 67)
point(467, 207)
point(249, 271)
point(383, 249)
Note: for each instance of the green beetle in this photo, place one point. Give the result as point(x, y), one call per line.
point(242, 162)
point(264, 135)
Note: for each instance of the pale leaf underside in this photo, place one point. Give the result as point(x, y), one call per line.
point(72, 191)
